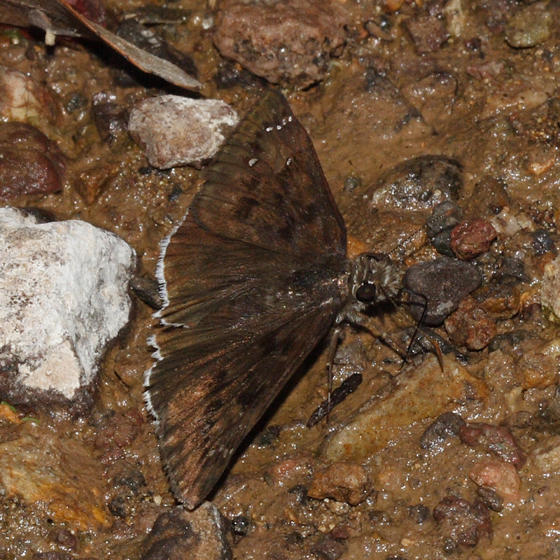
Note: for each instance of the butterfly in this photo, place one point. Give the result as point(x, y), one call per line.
point(252, 279)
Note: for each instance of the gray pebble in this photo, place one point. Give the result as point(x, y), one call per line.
point(419, 183)
point(440, 284)
point(529, 27)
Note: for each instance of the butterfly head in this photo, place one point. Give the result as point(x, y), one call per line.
point(375, 279)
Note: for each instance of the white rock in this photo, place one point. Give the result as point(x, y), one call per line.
point(176, 130)
point(63, 297)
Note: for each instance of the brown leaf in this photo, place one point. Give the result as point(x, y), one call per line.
point(57, 17)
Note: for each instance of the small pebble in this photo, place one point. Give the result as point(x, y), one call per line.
point(470, 239)
point(343, 482)
point(285, 41)
point(447, 424)
point(464, 523)
point(490, 498)
point(110, 118)
point(470, 326)
point(428, 32)
point(444, 218)
point(529, 26)
point(494, 439)
point(29, 162)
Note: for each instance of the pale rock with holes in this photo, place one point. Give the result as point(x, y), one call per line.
point(63, 298)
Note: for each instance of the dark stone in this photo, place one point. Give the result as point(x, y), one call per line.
point(445, 425)
point(240, 525)
point(111, 119)
point(543, 242)
point(328, 548)
point(178, 534)
point(445, 217)
point(119, 507)
point(463, 523)
point(443, 283)
point(439, 225)
point(490, 498)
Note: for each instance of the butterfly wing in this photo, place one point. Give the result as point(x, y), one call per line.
point(266, 187)
point(246, 303)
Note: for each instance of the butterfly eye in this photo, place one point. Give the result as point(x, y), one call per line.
point(366, 292)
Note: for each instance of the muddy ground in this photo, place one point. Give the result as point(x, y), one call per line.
point(392, 474)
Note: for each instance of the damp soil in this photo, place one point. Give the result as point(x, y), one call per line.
point(391, 474)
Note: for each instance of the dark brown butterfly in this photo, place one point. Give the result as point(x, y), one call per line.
point(255, 277)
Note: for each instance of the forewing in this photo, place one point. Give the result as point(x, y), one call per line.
point(266, 187)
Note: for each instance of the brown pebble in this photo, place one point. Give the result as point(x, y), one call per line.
point(428, 32)
point(462, 522)
point(328, 548)
point(470, 325)
point(471, 238)
point(29, 162)
point(343, 482)
point(282, 41)
point(494, 439)
point(26, 171)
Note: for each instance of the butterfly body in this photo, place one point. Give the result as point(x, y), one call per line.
point(253, 278)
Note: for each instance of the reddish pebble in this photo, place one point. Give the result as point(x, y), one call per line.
point(501, 477)
point(29, 162)
point(470, 325)
point(495, 439)
point(471, 238)
point(344, 482)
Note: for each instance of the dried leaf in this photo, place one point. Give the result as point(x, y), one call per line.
point(57, 17)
